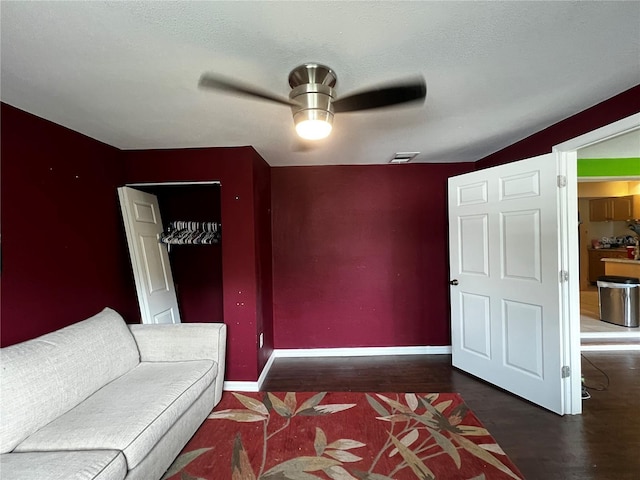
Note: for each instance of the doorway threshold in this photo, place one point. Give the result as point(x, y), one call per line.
point(609, 342)
point(610, 335)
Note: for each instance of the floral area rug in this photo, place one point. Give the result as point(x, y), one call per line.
point(342, 436)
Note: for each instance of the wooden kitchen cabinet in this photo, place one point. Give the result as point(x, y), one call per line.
point(596, 266)
point(599, 209)
point(611, 209)
point(622, 208)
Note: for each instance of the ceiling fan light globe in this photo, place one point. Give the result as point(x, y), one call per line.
point(313, 129)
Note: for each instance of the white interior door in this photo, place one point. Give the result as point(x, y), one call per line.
point(505, 272)
point(149, 257)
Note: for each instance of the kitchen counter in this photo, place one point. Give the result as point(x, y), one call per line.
point(596, 255)
point(624, 267)
point(620, 260)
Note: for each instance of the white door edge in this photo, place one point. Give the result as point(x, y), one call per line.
point(566, 154)
point(137, 269)
point(570, 290)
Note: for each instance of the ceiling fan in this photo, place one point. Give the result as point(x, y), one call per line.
point(313, 100)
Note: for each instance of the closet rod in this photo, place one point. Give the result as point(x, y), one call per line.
point(172, 184)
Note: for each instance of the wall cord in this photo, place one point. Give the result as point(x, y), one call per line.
point(601, 387)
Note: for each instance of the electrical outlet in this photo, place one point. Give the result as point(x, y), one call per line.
point(261, 340)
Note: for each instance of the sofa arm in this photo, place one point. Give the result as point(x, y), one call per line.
point(182, 342)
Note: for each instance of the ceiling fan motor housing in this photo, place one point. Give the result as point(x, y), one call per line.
point(313, 99)
point(312, 88)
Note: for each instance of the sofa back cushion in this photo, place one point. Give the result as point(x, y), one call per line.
point(42, 378)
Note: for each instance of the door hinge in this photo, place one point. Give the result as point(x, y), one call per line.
point(562, 181)
point(566, 371)
point(564, 276)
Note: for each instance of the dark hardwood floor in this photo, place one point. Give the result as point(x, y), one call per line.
point(602, 443)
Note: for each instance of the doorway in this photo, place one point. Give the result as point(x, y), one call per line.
point(599, 239)
point(567, 154)
point(196, 268)
point(594, 235)
point(565, 235)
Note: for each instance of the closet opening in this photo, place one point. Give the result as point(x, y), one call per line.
point(196, 260)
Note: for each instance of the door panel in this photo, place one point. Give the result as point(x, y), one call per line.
point(521, 245)
point(504, 252)
point(474, 256)
point(168, 316)
point(152, 259)
point(476, 324)
point(149, 258)
point(523, 337)
point(145, 212)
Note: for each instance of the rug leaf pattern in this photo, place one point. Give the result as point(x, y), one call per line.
point(342, 436)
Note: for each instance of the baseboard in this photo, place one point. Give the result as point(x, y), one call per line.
point(234, 386)
point(620, 347)
point(238, 386)
point(360, 351)
point(265, 371)
point(250, 386)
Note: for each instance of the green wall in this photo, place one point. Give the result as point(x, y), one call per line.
point(608, 167)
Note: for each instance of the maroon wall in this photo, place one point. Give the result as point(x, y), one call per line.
point(234, 168)
point(360, 255)
point(63, 258)
point(616, 108)
point(264, 266)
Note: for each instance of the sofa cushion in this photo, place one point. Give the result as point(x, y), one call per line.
point(78, 465)
point(131, 413)
point(47, 376)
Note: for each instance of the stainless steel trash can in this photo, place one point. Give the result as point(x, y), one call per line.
point(619, 300)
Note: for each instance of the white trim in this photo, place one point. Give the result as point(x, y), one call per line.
point(570, 310)
point(606, 335)
point(611, 348)
point(265, 370)
point(360, 351)
point(628, 178)
point(173, 184)
point(569, 262)
point(240, 386)
point(607, 132)
point(251, 386)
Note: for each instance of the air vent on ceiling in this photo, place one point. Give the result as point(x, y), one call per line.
point(403, 157)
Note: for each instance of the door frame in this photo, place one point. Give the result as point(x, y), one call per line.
point(171, 184)
point(567, 158)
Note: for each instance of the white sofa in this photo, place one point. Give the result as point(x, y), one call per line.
point(104, 400)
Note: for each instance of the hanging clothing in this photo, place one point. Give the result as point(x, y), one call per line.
point(191, 233)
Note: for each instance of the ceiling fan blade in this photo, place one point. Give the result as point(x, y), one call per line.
point(210, 80)
point(394, 94)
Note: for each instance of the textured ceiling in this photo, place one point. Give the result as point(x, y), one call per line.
point(126, 73)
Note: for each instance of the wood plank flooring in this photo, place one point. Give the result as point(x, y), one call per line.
point(602, 443)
